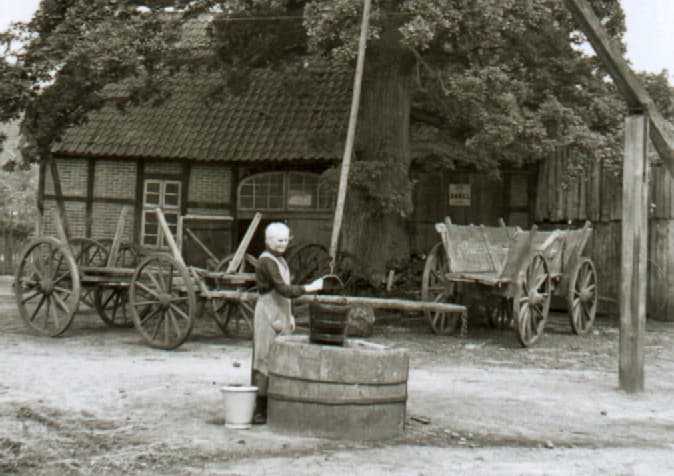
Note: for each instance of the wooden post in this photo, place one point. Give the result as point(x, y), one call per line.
point(634, 254)
point(117, 239)
point(240, 253)
point(58, 192)
point(168, 236)
point(351, 131)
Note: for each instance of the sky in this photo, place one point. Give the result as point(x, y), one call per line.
point(649, 37)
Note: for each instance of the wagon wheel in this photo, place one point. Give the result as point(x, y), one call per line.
point(500, 313)
point(128, 254)
point(227, 313)
point(531, 301)
point(223, 311)
point(582, 296)
point(111, 306)
point(47, 286)
point(434, 287)
point(162, 301)
point(308, 262)
point(88, 252)
point(249, 263)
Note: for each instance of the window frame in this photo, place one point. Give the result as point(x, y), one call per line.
point(171, 210)
point(316, 193)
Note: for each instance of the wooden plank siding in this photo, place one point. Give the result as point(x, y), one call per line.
point(597, 195)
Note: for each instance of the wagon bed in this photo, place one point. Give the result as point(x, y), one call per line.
point(513, 273)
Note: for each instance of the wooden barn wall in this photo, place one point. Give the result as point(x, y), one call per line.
point(594, 194)
point(431, 204)
point(597, 196)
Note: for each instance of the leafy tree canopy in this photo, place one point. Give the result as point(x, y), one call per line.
point(491, 81)
point(17, 199)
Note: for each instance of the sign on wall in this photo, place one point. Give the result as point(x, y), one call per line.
point(459, 194)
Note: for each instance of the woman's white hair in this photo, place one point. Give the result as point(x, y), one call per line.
point(275, 229)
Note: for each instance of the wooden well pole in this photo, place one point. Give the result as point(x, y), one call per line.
point(634, 260)
point(638, 127)
point(351, 131)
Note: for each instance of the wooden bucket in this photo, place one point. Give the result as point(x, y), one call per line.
point(327, 323)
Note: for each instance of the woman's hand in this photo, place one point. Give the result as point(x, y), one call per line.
point(277, 326)
point(314, 286)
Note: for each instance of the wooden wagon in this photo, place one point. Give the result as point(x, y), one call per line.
point(512, 274)
point(159, 294)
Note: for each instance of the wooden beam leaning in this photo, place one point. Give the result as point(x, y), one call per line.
point(240, 253)
point(638, 99)
point(168, 236)
point(634, 255)
point(117, 238)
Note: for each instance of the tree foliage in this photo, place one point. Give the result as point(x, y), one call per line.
point(18, 209)
point(490, 81)
point(504, 77)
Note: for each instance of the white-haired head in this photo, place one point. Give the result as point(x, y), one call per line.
point(277, 237)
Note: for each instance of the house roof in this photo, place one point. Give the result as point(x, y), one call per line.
point(276, 118)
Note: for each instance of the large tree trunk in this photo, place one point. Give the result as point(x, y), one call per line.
point(375, 224)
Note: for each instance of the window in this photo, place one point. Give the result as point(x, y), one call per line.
point(164, 194)
point(284, 191)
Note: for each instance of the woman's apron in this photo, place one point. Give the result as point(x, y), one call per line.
point(271, 307)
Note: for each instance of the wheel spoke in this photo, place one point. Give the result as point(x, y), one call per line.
point(180, 311)
point(63, 290)
point(107, 300)
point(541, 280)
point(53, 312)
point(28, 298)
point(174, 322)
point(165, 326)
point(62, 277)
point(58, 265)
point(147, 290)
point(60, 303)
point(587, 277)
point(38, 307)
point(117, 305)
point(154, 280)
point(147, 317)
point(158, 325)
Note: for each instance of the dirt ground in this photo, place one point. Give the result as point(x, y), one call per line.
point(99, 401)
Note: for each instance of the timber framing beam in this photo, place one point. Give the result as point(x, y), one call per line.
point(638, 99)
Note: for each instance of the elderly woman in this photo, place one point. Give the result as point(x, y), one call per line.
point(273, 314)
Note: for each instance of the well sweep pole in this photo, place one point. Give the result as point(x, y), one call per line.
point(351, 132)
